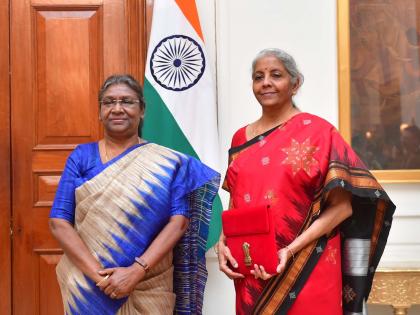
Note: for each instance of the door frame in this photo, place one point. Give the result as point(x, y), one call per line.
point(5, 162)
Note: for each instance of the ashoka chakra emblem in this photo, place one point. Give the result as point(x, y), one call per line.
point(177, 62)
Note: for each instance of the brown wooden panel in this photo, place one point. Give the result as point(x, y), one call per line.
point(49, 291)
point(148, 20)
point(49, 161)
point(66, 103)
point(137, 36)
point(41, 237)
point(5, 248)
point(114, 32)
point(45, 186)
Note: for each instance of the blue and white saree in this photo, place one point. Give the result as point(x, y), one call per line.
point(118, 208)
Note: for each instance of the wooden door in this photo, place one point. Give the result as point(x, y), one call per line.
point(61, 50)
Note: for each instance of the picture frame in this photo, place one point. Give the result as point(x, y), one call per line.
point(397, 175)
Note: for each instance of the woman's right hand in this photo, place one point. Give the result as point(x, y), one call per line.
point(224, 256)
point(284, 255)
point(119, 282)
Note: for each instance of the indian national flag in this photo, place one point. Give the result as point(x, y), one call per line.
point(179, 89)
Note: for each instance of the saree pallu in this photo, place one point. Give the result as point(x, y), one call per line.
point(119, 212)
point(293, 167)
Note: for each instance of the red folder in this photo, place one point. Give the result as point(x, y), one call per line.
point(250, 237)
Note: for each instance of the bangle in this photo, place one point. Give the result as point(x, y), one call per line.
point(142, 263)
point(216, 250)
point(102, 280)
point(291, 252)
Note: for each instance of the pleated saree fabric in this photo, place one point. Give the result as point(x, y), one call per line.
point(293, 167)
point(118, 208)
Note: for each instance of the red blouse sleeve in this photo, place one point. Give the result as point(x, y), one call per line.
point(239, 137)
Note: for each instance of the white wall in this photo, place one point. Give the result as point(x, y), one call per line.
point(235, 30)
point(403, 247)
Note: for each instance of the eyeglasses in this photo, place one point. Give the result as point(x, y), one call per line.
point(125, 102)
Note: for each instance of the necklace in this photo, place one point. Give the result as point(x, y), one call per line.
point(259, 131)
point(106, 149)
point(256, 130)
point(106, 152)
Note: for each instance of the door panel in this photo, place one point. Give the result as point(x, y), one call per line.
point(67, 72)
point(61, 51)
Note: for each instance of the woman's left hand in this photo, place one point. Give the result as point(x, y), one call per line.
point(121, 281)
point(260, 273)
point(284, 255)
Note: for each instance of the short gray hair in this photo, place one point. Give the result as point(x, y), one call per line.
point(286, 59)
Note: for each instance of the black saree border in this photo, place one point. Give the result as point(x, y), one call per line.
point(278, 301)
point(361, 183)
point(281, 291)
point(273, 299)
point(235, 151)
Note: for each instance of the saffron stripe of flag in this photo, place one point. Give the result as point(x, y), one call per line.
point(179, 89)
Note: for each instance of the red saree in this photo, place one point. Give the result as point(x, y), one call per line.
point(293, 167)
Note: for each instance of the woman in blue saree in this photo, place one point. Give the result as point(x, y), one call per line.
point(132, 218)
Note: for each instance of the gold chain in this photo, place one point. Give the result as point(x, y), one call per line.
point(106, 150)
point(257, 130)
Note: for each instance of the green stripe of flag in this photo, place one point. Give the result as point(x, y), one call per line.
point(158, 116)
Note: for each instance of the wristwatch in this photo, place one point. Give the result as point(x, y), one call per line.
point(142, 263)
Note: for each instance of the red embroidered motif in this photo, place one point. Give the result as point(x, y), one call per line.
point(331, 255)
point(300, 156)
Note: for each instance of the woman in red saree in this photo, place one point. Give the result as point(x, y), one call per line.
point(331, 217)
